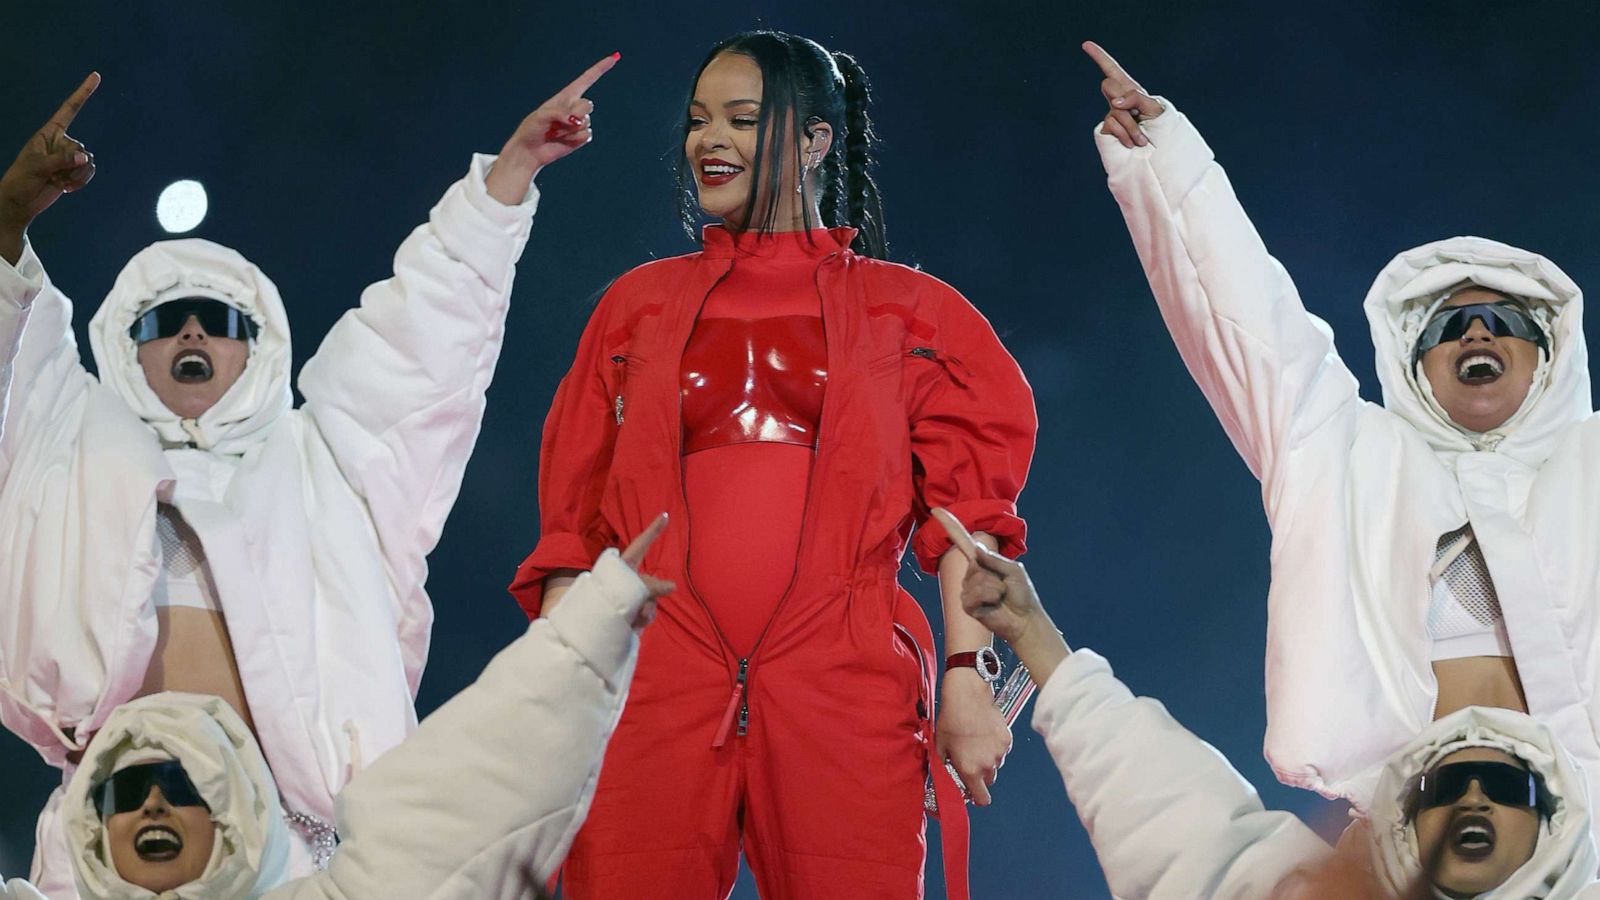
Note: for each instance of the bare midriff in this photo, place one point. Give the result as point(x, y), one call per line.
point(193, 654)
point(1478, 681)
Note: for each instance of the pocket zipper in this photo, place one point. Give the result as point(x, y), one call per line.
point(616, 406)
point(946, 361)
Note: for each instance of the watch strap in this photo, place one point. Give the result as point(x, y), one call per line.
point(985, 661)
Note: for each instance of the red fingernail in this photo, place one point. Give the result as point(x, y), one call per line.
point(617, 55)
point(555, 131)
point(574, 120)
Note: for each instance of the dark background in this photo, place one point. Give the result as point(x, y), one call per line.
point(325, 131)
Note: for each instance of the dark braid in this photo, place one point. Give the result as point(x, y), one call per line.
point(835, 208)
point(865, 203)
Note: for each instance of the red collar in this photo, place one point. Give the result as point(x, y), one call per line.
point(719, 243)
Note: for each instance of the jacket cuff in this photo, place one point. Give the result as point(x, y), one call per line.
point(1084, 675)
point(20, 283)
point(996, 518)
point(1177, 154)
point(478, 195)
point(479, 230)
point(559, 550)
point(596, 616)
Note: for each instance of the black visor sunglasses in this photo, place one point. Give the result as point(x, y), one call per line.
point(1503, 319)
point(217, 318)
point(126, 790)
point(1502, 783)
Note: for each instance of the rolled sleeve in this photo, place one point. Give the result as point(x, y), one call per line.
point(973, 430)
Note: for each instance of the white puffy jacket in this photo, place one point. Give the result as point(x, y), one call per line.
point(1170, 818)
point(315, 521)
point(1357, 494)
point(480, 803)
point(17, 889)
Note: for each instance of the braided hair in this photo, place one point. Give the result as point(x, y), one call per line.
point(802, 83)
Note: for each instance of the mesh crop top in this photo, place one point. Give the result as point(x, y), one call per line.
point(1464, 617)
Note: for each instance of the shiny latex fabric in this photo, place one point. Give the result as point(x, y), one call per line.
point(752, 382)
point(752, 394)
point(747, 380)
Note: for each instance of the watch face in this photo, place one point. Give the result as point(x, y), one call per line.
point(989, 664)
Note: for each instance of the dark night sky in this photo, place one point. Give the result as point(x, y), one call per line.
point(325, 131)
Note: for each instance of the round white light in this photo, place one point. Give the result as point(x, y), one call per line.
point(181, 207)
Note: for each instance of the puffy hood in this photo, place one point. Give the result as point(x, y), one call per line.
point(1565, 860)
point(192, 267)
point(1410, 287)
point(222, 759)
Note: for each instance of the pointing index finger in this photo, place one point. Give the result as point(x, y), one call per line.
point(960, 538)
point(69, 110)
point(1107, 64)
point(583, 82)
point(634, 554)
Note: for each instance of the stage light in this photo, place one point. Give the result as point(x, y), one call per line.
point(181, 207)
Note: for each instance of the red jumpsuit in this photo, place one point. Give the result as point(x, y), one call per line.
point(784, 705)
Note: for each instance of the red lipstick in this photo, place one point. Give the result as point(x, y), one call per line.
point(726, 171)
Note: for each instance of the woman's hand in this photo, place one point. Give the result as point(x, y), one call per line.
point(559, 126)
point(1128, 101)
point(971, 733)
point(633, 556)
point(50, 164)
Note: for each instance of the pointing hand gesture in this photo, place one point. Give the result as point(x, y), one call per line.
point(559, 126)
point(1129, 102)
point(50, 164)
point(998, 592)
point(633, 556)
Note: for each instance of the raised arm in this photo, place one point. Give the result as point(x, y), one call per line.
point(72, 457)
point(486, 795)
point(1268, 367)
point(397, 388)
point(1168, 816)
point(50, 164)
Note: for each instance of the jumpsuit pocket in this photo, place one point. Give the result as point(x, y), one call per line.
point(622, 366)
point(885, 363)
point(907, 646)
point(952, 367)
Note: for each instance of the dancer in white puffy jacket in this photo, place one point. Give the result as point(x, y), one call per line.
point(1433, 552)
point(175, 525)
point(1483, 803)
point(175, 801)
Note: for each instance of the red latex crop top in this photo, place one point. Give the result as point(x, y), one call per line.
point(757, 363)
point(746, 380)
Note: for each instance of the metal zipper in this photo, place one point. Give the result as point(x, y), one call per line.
point(945, 361)
point(622, 385)
point(739, 703)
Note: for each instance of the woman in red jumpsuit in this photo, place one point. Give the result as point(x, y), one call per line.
point(798, 405)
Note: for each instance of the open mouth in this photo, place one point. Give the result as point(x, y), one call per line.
point(192, 367)
point(1472, 838)
point(718, 171)
point(157, 843)
point(1480, 367)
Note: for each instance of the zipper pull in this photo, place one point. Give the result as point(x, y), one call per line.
point(618, 360)
point(947, 362)
point(736, 705)
point(744, 699)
